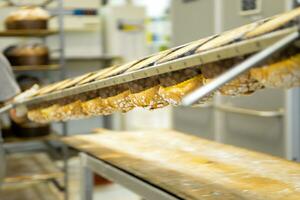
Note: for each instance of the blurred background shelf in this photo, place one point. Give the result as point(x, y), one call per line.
point(51, 67)
point(30, 191)
point(22, 167)
point(27, 33)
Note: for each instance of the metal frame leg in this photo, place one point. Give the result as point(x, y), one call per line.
point(66, 171)
point(292, 126)
point(86, 179)
point(89, 164)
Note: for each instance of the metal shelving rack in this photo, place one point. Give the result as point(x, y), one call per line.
point(57, 12)
point(90, 164)
point(229, 51)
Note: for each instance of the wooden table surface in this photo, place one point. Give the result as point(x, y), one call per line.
point(194, 168)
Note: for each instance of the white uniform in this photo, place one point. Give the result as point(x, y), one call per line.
point(8, 89)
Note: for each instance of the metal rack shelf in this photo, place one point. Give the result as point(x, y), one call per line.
point(30, 167)
point(51, 137)
point(27, 33)
point(30, 191)
point(229, 51)
point(51, 67)
point(40, 191)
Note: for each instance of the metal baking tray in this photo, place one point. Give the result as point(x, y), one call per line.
point(229, 51)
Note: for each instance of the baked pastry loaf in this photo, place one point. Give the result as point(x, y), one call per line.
point(148, 98)
point(184, 50)
point(173, 94)
point(274, 23)
point(121, 102)
point(27, 18)
point(242, 85)
point(281, 74)
point(144, 93)
point(44, 114)
point(67, 111)
point(36, 116)
point(282, 70)
point(227, 37)
point(107, 101)
point(96, 106)
point(28, 54)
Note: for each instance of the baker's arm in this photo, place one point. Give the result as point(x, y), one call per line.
point(8, 86)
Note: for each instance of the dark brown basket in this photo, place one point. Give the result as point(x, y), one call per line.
point(27, 25)
point(30, 130)
point(28, 60)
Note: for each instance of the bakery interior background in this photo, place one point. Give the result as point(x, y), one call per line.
point(96, 34)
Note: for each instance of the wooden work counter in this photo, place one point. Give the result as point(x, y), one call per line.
point(194, 168)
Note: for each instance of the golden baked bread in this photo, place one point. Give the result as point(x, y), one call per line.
point(97, 106)
point(281, 74)
point(49, 113)
point(242, 85)
point(227, 37)
point(173, 94)
point(120, 69)
point(97, 75)
point(121, 102)
point(74, 81)
point(150, 60)
point(69, 111)
point(28, 13)
point(184, 50)
point(274, 23)
point(282, 70)
point(27, 50)
point(50, 88)
point(149, 98)
point(36, 116)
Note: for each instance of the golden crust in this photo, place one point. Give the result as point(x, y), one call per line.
point(150, 60)
point(36, 116)
point(173, 94)
point(148, 98)
point(227, 37)
point(97, 106)
point(184, 50)
point(121, 102)
point(28, 13)
point(281, 74)
point(44, 115)
point(275, 23)
point(71, 110)
point(242, 85)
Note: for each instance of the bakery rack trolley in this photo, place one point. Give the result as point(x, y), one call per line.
point(261, 47)
point(58, 13)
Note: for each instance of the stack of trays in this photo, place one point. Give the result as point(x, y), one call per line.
point(282, 70)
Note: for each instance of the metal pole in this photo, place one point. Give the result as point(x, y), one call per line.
point(4, 109)
point(292, 124)
point(86, 179)
point(237, 70)
point(60, 9)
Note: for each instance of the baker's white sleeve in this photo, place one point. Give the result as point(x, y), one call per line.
point(8, 85)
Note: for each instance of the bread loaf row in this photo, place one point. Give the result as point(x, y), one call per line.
point(280, 71)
